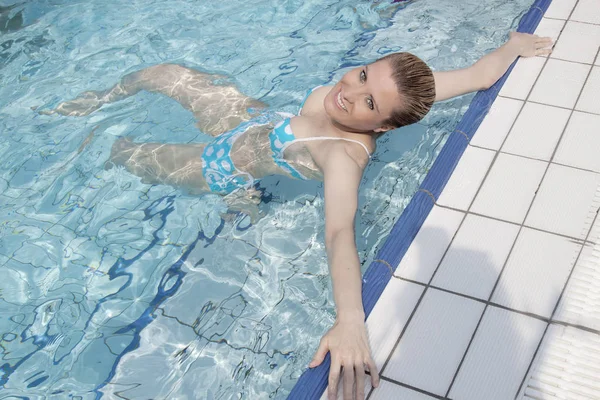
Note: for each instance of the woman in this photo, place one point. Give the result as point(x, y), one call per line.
point(331, 138)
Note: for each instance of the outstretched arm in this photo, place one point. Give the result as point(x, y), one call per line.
point(347, 339)
point(485, 72)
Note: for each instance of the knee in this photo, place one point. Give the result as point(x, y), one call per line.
point(162, 70)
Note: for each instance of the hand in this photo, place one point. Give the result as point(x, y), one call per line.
point(528, 45)
point(347, 341)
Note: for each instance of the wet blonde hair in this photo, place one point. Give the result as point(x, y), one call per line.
point(416, 87)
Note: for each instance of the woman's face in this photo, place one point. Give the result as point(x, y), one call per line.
point(364, 98)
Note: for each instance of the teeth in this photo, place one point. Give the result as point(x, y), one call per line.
point(339, 100)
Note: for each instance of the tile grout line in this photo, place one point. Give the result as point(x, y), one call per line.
point(571, 61)
point(538, 159)
point(580, 251)
point(497, 305)
point(550, 105)
point(573, 110)
point(521, 227)
point(573, 20)
point(571, 238)
point(397, 341)
point(414, 388)
point(477, 299)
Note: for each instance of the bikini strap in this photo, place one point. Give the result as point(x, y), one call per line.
point(315, 138)
point(306, 98)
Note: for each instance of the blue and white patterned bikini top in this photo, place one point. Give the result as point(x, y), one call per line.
point(282, 136)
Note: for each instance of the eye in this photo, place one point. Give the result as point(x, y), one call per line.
point(370, 103)
point(363, 76)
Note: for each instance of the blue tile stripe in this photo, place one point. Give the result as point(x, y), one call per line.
point(313, 382)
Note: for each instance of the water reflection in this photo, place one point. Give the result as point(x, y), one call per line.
point(11, 21)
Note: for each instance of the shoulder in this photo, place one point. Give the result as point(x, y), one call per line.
point(357, 153)
point(314, 100)
point(344, 156)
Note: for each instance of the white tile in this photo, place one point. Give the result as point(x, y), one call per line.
point(580, 304)
point(590, 96)
point(587, 11)
point(522, 78)
point(580, 145)
point(497, 123)
point(476, 256)
point(509, 188)
point(565, 367)
point(537, 130)
point(578, 42)
point(428, 247)
point(565, 202)
point(388, 390)
point(498, 357)
point(560, 83)
point(436, 339)
point(388, 317)
point(466, 178)
point(560, 9)
point(536, 272)
point(550, 28)
point(340, 392)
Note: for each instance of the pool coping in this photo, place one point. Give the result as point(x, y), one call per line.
point(313, 382)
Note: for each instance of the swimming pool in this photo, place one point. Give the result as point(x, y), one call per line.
point(114, 287)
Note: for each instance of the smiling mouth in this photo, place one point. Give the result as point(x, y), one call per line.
point(339, 101)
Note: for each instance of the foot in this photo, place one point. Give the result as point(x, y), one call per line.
point(84, 104)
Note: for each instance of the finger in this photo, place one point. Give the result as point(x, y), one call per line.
point(348, 380)
point(543, 43)
point(360, 381)
point(334, 376)
point(320, 354)
point(543, 52)
point(544, 40)
point(373, 371)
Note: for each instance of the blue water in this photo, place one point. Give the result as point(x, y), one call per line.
point(117, 289)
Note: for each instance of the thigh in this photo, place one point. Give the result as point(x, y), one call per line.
point(217, 104)
point(172, 164)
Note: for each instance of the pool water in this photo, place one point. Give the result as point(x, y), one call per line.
point(113, 288)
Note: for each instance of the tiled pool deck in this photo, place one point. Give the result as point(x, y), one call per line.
point(498, 296)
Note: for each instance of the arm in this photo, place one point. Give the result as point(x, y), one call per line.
point(485, 72)
point(347, 339)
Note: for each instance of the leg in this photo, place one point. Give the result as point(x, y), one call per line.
point(171, 164)
point(179, 165)
point(218, 107)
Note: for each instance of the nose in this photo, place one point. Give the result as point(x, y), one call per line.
point(350, 93)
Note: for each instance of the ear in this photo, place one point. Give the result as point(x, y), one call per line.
point(383, 128)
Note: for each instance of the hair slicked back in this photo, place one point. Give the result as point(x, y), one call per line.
point(416, 86)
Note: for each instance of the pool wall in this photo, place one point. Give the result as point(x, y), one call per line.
point(313, 382)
